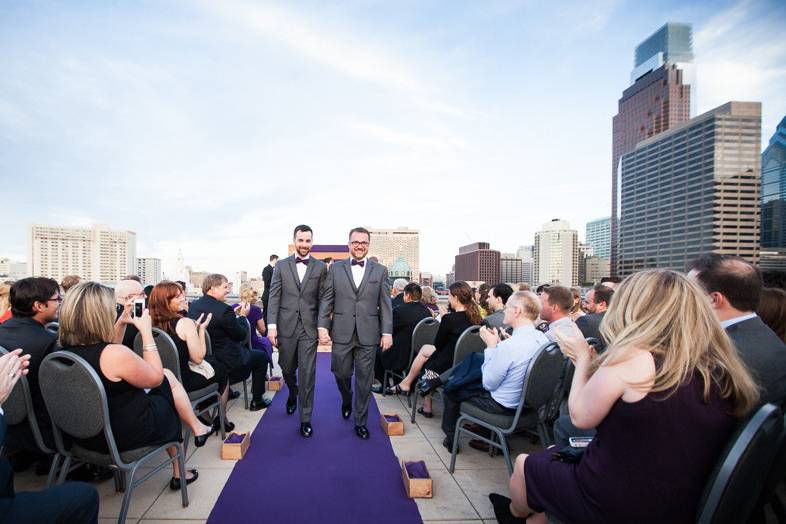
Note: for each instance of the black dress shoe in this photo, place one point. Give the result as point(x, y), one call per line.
point(174, 484)
point(346, 411)
point(362, 432)
point(501, 507)
point(306, 430)
point(233, 394)
point(256, 405)
point(291, 405)
point(228, 426)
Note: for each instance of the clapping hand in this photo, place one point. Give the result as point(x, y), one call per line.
point(490, 336)
point(203, 321)
point(572, 343)
point(242, 309)
point(12, 366)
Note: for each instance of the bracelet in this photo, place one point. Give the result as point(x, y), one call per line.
point(148, 346)
point(150, 349)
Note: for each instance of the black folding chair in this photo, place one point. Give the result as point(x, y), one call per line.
point(424, 332)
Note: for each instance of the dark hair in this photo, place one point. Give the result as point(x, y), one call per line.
point(772, 310)
point(158, 305)
point(774, 278)
point(602, 294)
point(502, 291)
point(148, 289)
point(360, 230)
point(561, 297)
point(275, 257)
point(613, 280)
point(733, 277)
point(414, 291)
point(541, 288)
point(465, 296)
point(132, 277)
point(181, 284)
point(26, 292)
point(302, 227)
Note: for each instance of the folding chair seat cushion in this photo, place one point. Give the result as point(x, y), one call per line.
point(526, 419)
point(105, 459)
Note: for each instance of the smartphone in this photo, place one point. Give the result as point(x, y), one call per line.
point(139, 307)
point(579, 442)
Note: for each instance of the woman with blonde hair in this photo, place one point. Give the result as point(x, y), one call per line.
point(138, 419)
point(575, 310)
point(5, 302)
point(249, 295)
point(665, 398)
point(429, 299)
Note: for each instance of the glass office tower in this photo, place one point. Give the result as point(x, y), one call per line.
point(773, 190)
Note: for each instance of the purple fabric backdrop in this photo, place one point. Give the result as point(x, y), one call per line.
point(333, 477)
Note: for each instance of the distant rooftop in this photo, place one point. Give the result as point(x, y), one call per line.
point(330, 248)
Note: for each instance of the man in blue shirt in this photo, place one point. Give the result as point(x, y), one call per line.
point(505, 363)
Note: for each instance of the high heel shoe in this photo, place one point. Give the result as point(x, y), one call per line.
point(200, 440)
point(174, 484)
point(228, 426)
point(396, 390)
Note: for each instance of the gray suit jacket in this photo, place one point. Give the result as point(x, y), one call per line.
point(290, 299)
point(764, 354)
point(367, 309)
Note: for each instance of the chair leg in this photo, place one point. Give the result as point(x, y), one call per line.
point(64, 469)
point(505, 452)
point(245, 394)
point(221, 416)
point(454, 449)
point(414, 407)
point(384, 382)
point(53, 470)
point(181, 456)
point(127, 479)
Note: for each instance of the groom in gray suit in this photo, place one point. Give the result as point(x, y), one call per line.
point(298, 293)
point(359, 291)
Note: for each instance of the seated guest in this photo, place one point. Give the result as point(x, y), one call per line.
point(504, 365)
point(481, 298)
point(556, 303)
point(405, 318)
point(228, 336)
point(138, 419)
point(666, 396)
point(611, 282)
point(35, 302)
point(249, 295)
point(772, 310)
point(734, 286)
point(166, 313)
point(69, 282)
point(597, 302)
point(69, 502)
point(575, 311)
point(429, 299)
point(437, 358)
point(397, 292)
point(5, 308)
point(126, 291)
point(497, 298)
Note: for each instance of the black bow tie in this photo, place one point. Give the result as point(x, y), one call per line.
point(303, 261)
point(360, 263)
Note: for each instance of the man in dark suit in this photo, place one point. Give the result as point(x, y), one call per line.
point(297, 293)
point(267, 278)
point(598, 300)
point(34, 303)
point(397, 299)
point(734, 286)
point(228, 337)
point(69, 502)
point(405, 318)
point(359, 291)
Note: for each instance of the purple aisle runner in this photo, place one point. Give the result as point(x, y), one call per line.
point(331, 477)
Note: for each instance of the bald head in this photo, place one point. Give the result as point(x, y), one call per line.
point(736, 279)
point(127, 289)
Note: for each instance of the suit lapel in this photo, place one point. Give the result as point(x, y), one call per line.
point(348, 269)
point(307, 275)
point(366, 274)
point(294, 271)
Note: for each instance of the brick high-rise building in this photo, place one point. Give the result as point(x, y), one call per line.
point(478, 263)
point(662, 95)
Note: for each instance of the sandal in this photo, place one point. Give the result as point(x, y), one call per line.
point(427, 414)
point(396, 390)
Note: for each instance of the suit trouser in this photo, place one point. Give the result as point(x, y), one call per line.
point(345, 357)
point(482, 400)
point(255, 363)
point(299, 353)
point(64, 504)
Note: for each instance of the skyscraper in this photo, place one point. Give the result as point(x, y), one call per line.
point(527, 263)
point(96, 253)
point(477, 263)
point(556, 254)
point(599, 237)
point(773, 191)
point(390, 244)
point(510, 268)
point(149, 270)
point(661, 96)
point(693, 189)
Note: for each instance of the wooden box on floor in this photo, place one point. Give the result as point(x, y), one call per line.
point(235, 451)
point(391, 427)
point(274, 384)
point(416, 488)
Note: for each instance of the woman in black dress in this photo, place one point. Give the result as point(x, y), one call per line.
point(138, 418)
point(438, 358)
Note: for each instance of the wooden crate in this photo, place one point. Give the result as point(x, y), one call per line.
point(416, 488)
point(236, 451)
point(274, 384)
point(391, 427)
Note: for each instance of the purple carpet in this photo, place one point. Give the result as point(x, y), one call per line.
point(331, 477)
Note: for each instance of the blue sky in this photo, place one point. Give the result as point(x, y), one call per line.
point(215, 127)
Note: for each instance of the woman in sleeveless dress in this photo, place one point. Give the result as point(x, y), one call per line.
point(138, 418)
point(665, 398)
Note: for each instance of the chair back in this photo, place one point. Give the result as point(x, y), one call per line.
point(468, 342)
point(424, 332)
point(248, 330)
point(73, 394)
point(545, 370)
point(208, 343)
point(737, 481)
point(15, 408)
point(54, 327)
point(167, 351)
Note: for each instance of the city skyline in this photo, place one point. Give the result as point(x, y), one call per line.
point(190, 134)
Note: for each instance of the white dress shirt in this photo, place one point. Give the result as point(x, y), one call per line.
point(301, 268)
point(358, 272)
point(737, 320)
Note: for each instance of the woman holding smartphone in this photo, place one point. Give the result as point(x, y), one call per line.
point(665, 398)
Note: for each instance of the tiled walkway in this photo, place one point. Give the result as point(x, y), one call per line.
point(458, 498)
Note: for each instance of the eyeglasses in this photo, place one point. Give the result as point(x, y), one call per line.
point(358, 244)
point(59, 300)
